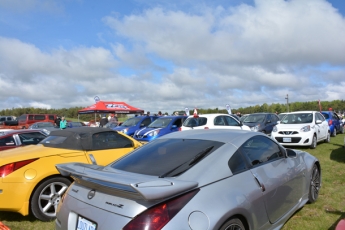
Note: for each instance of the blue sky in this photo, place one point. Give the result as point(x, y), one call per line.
point(167, 56)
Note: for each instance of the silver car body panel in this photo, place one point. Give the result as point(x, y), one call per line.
point(266, 195)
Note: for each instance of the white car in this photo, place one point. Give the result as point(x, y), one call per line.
point(303, 128)
point(213, 121)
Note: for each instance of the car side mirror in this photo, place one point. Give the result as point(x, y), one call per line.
point(290, 153)
point(174, 127)
point(318, 121)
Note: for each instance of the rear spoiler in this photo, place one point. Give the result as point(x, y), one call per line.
point(146, 186)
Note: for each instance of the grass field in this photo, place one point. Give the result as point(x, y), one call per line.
point(323, 214)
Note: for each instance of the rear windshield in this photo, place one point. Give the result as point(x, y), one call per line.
point(166, 157)
point(54, 140)
point(195, 121)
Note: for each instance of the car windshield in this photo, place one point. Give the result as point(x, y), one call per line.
point(160, 123)
point(131, 122)
point(254, 118)
point(46, 124)
point(166, 157)
point(195, 121)
point(297, 118)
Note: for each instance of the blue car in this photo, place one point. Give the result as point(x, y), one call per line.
point(160, 127)
point(334, 122)
point(133, 124)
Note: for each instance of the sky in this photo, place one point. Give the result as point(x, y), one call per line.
point(165, 56)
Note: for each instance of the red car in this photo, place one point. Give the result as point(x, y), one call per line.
point(20, 137)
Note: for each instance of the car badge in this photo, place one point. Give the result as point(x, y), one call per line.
point(91, 194)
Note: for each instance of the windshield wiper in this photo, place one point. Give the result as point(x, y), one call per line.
point(190, 163)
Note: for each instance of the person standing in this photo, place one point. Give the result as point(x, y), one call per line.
point(63, 123)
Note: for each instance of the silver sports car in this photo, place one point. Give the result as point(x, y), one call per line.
point(195, 179)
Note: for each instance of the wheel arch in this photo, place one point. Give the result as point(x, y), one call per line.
point(241, 217)
point(42, 181)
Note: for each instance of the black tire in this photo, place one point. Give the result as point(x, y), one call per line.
point(233, 224)
point(315, 184)
point(328, 138)
point(47, 196)
point(334, 132)
point(313, 142)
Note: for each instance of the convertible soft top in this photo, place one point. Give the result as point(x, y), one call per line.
point(80, 138)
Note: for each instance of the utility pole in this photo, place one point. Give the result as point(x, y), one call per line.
point(287, 102)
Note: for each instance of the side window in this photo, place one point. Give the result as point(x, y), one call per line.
point(231, 121)
point(40, 117)
point(237, 163)
point(110, 140)
point(219, 121)
point(269, 118)
point(22, 117)
point(260, 150)
point(178, 122)
point(318, 116)
point(7, 141)
point(146, 122)
point(31, 138)
point(51, 117)
point(31, 117)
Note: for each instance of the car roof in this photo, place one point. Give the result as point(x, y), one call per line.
point(305, 112)
point(212, 115)
point(15, 131)
point(79, 138)
point(222, 135)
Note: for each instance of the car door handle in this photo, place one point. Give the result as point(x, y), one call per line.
point(93, 160)
point(261, 185)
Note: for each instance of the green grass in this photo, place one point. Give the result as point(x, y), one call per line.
point(323, 214)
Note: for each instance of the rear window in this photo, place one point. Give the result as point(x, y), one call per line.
point(166, 157)
point(195, 121)
point(55, 140)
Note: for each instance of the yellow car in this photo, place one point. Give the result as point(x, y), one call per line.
point(29, 180)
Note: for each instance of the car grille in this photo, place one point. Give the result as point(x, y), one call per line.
point(288, 132)
point(293, 140)
point(139, 136)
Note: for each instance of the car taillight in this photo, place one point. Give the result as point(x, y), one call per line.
point(206, 127)
point(179, 129)
point(330, 122)
point(9, 168)
point(158, 216)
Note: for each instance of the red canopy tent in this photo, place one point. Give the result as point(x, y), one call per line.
point(110, 107)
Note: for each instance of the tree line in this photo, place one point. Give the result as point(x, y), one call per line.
point(336, 105)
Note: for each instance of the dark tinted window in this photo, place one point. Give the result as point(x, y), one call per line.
point(194, 122)
point(22, 117)
point(146, 122)
point(40, 117)
point(54, 140)
point(31, 138)
point(163, 155)
point(31, 117)
point(219, 121)
point(51, 117)
point(110, 140)
point(7, 141)
point(325, 115)
point(260, 149)
point(237, 163)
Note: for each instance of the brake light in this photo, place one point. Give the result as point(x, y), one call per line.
point(179, 129)
point(330, 122)
point(158, 216)
point(9, 168)
point(206, 127)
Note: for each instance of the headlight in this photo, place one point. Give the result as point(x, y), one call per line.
point(255, 128)
point(275, 129)
point(125, 130)
point(305, 128)
point(153, 133)
point(46, 131)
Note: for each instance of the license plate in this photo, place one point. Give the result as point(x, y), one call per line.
point(287, 139)
point(85, 224)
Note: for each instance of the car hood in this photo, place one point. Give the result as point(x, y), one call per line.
point(146, 130)
point(251, 124)
point(292, 126)
point(34, 151)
